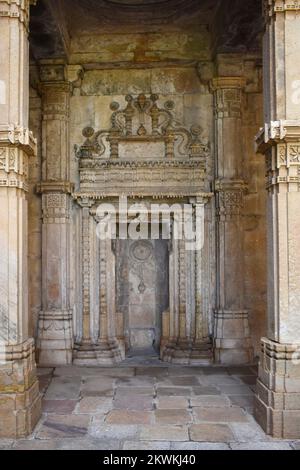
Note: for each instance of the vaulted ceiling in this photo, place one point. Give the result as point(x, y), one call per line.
point(236, 24)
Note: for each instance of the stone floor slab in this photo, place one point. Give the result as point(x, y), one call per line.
point(206, 390)
point(261, 446)
point(145, 445)
point(199, 446)
point(56, 426)
point(211, 433)
point(164, 433)
point(173, 391)
point(90, 405)
point(128, 417)
point(133, 402)
point(98, 386)
point(59, 406)
point(235, 389)
point(172, 417)
point(248, 432)
point(63, 388)
point(171, 403)
point(220, 415)
point(114, 431)
point(214, 401)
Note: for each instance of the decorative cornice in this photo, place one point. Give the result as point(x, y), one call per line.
point(12, 135)
point(276, 132)
point(273, 7)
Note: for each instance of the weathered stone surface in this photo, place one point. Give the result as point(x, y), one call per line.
point(64, 388)
point(173, 391)
point(70, 426)
point(113, 431)
point(91, 405)
point(59, 406)
point(214, 401)
point(211, 433)
point(261, 446)
point(172, 416)
point(206, 390)
point(171, 403)
point(128, 417)
point(164, 433)
point(133, 402)
point(219, 415)
point(98, 386)
point(199, 446)
point(144, 445)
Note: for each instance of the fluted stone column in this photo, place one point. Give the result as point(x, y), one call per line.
point(20, 404)
point(231, 327)
point(277, 404)
point(55, 333)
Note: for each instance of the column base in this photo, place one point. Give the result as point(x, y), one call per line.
point(232, 342)
point(105, 353)
point(186, 352)
point(20, 399)
point(277, 400)
point(55, 338)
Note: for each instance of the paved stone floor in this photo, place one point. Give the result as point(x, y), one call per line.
point(148, 405)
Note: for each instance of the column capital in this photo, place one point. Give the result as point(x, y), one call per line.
point(274, 7)
point(227, 83)
point(64, 187)
point(17, 10)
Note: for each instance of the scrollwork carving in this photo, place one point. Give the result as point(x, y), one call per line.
point(143, 121)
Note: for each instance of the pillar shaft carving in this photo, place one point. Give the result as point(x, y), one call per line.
point(55, 333)
point(185, 327)
point(277, 404)
point(19, 393)
point(231, 328)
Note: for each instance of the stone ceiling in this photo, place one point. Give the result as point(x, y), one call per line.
point(236, 24)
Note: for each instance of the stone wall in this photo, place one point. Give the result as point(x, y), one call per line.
point(177, 66)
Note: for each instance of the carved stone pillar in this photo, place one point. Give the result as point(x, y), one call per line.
point(55, 334)
point(277, 404)
point(19, 393)
point(98, 258)
point(185, 329)
point(231, 328)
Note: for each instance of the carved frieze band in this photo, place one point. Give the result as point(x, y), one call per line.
point(55, 96)
point(280, 142)
point(230, 198)
point(56, 208)
point(13, 168)
point(228, 96)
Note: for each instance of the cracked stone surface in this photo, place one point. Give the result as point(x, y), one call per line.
point(151, 407)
